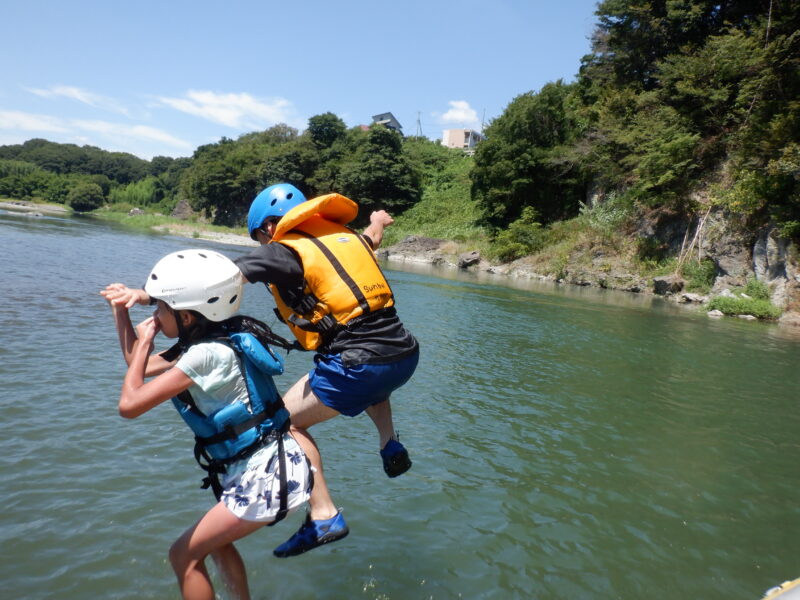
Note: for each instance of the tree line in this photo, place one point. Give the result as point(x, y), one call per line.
point(677, 99)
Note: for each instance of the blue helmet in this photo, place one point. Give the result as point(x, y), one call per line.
point(275, 201)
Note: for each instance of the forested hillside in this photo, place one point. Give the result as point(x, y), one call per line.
point(676, 97)
point(681, 105)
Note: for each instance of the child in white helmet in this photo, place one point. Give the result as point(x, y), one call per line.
point(256, 468)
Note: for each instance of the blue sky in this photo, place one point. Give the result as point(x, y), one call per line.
point(163, 77)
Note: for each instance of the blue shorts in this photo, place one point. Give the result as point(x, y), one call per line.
point(350, 390)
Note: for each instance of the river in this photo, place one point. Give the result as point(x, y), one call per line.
point(567, 443)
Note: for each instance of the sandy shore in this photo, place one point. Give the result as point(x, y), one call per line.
point(31, 207)
point(194, 231)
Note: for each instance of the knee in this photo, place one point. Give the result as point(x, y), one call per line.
point(179, 556)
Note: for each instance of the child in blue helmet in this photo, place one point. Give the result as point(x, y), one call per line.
point(237, 416)
point(358, 364)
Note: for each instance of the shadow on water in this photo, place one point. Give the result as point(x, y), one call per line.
point(566, 443)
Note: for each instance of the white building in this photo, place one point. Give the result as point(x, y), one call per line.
point(466, 139)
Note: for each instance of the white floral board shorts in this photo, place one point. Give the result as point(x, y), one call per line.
point(251, 488)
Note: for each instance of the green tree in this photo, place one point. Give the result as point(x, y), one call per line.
point(325, 129)
point(633, 36)
point(69, 158)
point(224, 178)
point(526, 160)
point(85, 197)
point(430, 158)
point(378, 175)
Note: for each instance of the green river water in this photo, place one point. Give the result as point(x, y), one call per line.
point(567, 443)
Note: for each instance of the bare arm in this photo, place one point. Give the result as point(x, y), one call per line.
point(378, 221)
point(137, 397)
point(120, 298)
point(121, 294)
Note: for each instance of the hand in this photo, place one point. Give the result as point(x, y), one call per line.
point(119, 295)
point(147, 330)
point(381, 218)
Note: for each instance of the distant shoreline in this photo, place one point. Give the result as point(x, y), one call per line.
point(195, 232)
point(25, 206)
point(412, 250)
point(189, 231)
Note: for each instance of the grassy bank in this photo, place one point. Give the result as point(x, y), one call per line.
point(446, 211)
point(195, 228)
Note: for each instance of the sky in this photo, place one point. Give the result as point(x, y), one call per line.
point(164, 77)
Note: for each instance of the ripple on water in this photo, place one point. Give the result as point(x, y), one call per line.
point(562, 447)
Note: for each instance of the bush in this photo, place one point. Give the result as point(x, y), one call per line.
point(736, 305)
point(606, 216)
point(649, 249)
point(700, 275)
point(85, 197)
point(757, 289)
point(524, 236)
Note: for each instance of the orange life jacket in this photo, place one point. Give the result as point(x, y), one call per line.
point(342, 277)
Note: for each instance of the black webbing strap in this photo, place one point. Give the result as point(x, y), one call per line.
point(213, 468)
point(233, 431)
point(323, 326)
point(340, 270)
point(283, 492)
point(371, 252)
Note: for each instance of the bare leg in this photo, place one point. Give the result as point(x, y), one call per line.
point(381, 415)
point(307, 410)
point(214, 533)
point(232, 570)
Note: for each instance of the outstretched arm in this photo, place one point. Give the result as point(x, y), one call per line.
point(378, 221)
point(137, 397)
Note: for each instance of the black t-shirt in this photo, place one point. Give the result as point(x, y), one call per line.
point(377, 337)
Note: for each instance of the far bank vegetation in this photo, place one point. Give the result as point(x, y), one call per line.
point(684, 113)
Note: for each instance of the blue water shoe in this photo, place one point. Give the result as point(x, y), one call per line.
point(312, 534)
point(395, 458)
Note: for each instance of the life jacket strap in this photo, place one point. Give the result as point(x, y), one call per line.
point(339, 268)
point(283, 491)
point(305, 305)
point(215, 467)
point(324, 326)
point(233, 431)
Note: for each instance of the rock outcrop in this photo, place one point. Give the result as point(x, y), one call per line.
point(737, 254)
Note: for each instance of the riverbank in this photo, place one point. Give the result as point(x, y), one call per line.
point(604, 273)
point(195, 231)
point(34, 208)
point(599, 270)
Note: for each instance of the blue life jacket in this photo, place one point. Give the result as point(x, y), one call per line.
point(235, 432)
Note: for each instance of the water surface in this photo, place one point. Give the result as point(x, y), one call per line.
point(567, 443)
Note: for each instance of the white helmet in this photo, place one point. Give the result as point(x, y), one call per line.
point(201, 280)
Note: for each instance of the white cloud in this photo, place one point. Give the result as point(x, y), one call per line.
point(461, 114)
point(85, 131)
point(80, 95)
point(11, 119)
point(239, 111)
point(131, 132)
